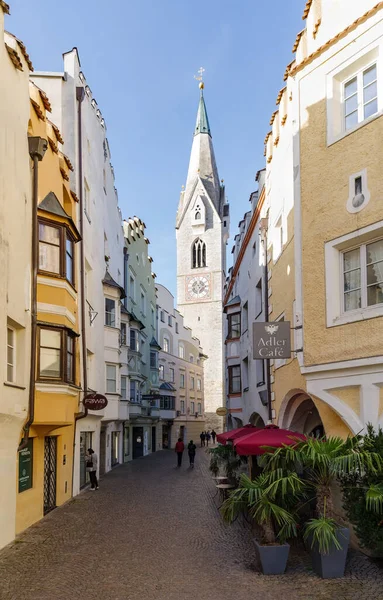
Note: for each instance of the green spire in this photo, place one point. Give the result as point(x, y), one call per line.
point(202, 125)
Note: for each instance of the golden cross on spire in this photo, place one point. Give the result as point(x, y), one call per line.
point(199, 77)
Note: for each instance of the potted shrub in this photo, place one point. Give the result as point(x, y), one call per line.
point(269, 499)
point(225, 458)
point(363, 499)
point(321, 463)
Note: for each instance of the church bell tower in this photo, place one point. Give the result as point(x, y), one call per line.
point(202, 229)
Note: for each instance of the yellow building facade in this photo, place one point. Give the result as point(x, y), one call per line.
point(46, 480)
point(324, 206)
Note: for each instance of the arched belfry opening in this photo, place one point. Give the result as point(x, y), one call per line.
point(198, 254)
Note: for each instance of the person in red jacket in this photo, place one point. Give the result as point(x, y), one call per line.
point(180, 447)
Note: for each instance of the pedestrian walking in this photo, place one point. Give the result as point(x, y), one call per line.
point(203, 437)
point(213, 435)
point(207, 438)
point(191, 451)
point(91, 467)
point(180, 447)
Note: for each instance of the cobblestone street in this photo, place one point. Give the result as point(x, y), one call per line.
point(153, 532)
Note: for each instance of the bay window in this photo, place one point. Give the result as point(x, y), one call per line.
point(111, 379)
point(110, 312)
point(235, 379)
point(56, 355)
point(234, 324)
point(56, 251)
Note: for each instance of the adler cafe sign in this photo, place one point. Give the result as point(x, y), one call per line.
point(271, 340)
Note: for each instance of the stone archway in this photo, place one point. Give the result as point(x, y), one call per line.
point(256, 420)
point(237, 422)
point(299, 413)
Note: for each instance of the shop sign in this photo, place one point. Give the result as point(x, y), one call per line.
point(271, 340)
point(26, 467)
point(222, 411)
point(95, 401)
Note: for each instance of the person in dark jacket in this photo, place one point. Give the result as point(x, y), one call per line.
point(202, 437)
point(91, 467)
point(191, 451)
point(180, 447)
point(213, 435)
point(207, 436)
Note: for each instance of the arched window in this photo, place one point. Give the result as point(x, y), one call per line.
point(198, 216)
point(199, 254)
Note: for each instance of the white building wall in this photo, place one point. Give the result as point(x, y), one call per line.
point(15, 271)
point(103, 235)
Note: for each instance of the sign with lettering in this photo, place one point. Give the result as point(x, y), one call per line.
point(95, 401)
point(221, 411)
point(271, 340)
point(26, 467)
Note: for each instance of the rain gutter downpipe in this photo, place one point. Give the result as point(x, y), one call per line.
point(37, 147)
point(80, 94)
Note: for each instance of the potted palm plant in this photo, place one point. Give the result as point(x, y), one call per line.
point(225, 458)
point(321, 463)
point(269, 499)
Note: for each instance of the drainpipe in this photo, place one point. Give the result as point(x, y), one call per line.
point(37, 148)
point(264, 227)
point(80, 94)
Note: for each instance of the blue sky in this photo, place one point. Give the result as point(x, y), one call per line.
point(139, 58)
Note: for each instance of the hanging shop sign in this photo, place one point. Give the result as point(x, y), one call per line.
point(222, 411)
point(271, 340)
point(95, 401)
point(26, 467)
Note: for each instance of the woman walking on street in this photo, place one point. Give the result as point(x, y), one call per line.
point(191, 451)
point(180, 447)
point(202, 437)
point(91, 467)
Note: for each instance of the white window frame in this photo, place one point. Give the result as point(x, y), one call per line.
point(161, 372)
point(199, 385)
point(132, 287)
point(192, 407)
point(124, 397)
point(166, 343)
point(335, 314)
point(110, 379)
point(181, 351)
point(171, 375)
point(362, 58)
point(199, 405)
point(192, 382)
point(143, 302)
point(359, 94)
point(14, 356)
point(182, 406)
point(110, 313)
point(182, 381)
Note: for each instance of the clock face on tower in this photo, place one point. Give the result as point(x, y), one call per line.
point(198, 287)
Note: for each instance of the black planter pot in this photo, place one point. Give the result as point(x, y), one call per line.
point(333, 564)
point(273, 558)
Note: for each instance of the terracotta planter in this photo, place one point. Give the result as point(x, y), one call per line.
point(272, 558)
point(333, 564)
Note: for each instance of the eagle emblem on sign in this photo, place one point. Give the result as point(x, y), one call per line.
point(272, 329)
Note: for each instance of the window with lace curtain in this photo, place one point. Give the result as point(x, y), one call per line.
point(198, 254)
point(363, 276)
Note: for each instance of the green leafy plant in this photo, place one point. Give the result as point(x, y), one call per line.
point(321, 462)
point(269, 499)
point(224, 458)
point(363, 498)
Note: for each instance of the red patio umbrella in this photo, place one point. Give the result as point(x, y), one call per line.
point(271, 435)
point(233, 434)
